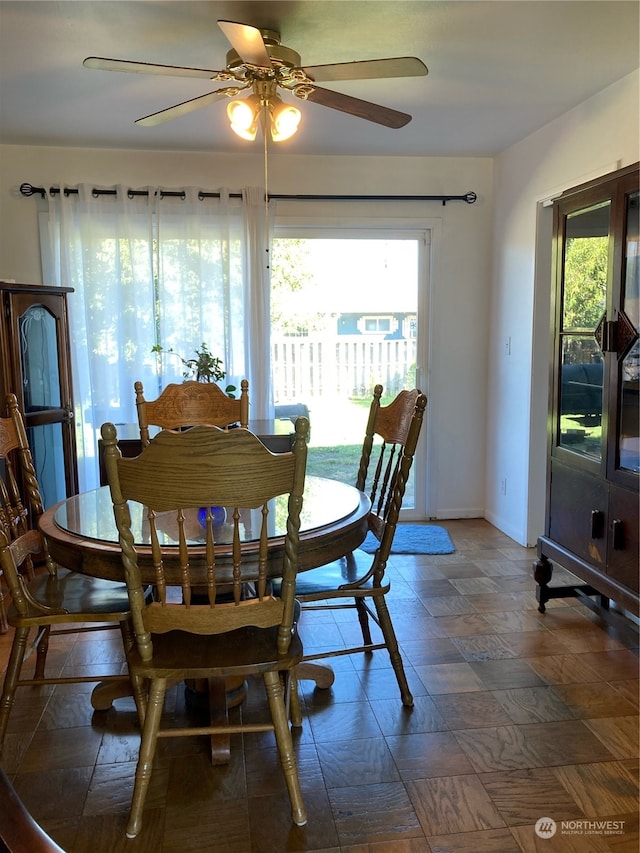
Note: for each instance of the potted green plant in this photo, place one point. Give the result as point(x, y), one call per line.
point(205, 367)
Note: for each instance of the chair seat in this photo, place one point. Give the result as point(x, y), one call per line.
point(73, 593)
point(330, 577)
point(345, 569)
point(246, 651)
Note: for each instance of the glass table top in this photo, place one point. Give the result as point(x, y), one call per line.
point(90, 515)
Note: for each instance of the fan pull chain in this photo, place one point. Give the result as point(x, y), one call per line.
point(266, 184)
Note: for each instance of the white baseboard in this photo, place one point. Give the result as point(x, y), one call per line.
point(457, 513)
point(507, 529)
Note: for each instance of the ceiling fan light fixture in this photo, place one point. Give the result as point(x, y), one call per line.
point(284, 119)
point(243, 116)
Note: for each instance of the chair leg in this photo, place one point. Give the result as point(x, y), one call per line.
point(16, 657)
point(4, 625)
point(363, 618)
point(147, 751)
point(295, 713)
point(137, 684)
point(139, 690)
point(386, 626)
point(41, 652)
point(275, 697)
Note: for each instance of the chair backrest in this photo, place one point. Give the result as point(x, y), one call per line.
point(16, 562)
point(384, 466)
point(189, 404)
point(178, 478)
point(20, 497)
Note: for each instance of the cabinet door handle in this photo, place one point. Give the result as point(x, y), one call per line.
point(617, 526)
point(597, 524)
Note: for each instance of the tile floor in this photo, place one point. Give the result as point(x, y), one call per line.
point(518, 716)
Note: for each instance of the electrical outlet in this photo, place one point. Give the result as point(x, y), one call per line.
point(503, 486)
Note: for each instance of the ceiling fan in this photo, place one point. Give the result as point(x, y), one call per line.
point(259, 62)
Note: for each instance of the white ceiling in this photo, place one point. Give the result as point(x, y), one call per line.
point(497, 70)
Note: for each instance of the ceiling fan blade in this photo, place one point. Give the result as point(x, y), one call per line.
point(247, 42)
point(104, 64)
point(369, 69)
point(183, 108)
point(356, 107)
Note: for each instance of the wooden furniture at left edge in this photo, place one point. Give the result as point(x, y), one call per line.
point(35, 365)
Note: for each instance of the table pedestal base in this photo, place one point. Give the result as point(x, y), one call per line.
point(105, 693)
point(322, 674)
point(219, 694)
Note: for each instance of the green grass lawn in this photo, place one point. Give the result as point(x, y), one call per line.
point(336, 463)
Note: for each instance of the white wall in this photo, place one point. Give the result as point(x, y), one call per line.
point(598, 136)
point(460, 295)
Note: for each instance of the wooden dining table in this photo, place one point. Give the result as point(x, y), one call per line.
point(82, 535)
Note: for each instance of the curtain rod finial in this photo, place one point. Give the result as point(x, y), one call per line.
point(29, 190)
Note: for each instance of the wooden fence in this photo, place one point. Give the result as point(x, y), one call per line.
point(345, 365)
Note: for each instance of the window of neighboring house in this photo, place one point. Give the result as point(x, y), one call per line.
point(377, 325)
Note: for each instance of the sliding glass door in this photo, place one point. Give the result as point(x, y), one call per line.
point(347, 312)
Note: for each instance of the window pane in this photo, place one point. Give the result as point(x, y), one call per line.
point(586, 256)
point(39, 352)
point(47, 452)
point(581, 396)
point(341, 312)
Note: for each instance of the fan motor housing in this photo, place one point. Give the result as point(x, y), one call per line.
point(278, 53)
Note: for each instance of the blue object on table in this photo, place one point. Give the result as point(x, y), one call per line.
point(218, 514)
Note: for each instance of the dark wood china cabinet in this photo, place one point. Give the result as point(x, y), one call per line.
point(35, 365)
point(594, 446)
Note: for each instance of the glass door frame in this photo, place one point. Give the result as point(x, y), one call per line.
point(564, 210)
point(390, 230)
point(625, 188)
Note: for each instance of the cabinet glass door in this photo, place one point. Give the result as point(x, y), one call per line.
point(41, 393)
point(47, 450)
point(39, 356)
point(42, 382)
point(584, 296)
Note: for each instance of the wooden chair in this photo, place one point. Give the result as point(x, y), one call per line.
point(358, 578)
point(54, 596)
point(175, 475)
point(190, 404)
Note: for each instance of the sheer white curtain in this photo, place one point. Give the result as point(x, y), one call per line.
point(149, 269)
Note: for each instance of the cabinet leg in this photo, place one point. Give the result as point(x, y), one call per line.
point(542, 572)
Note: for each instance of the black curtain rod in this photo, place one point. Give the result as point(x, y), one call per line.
point(470, 197)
